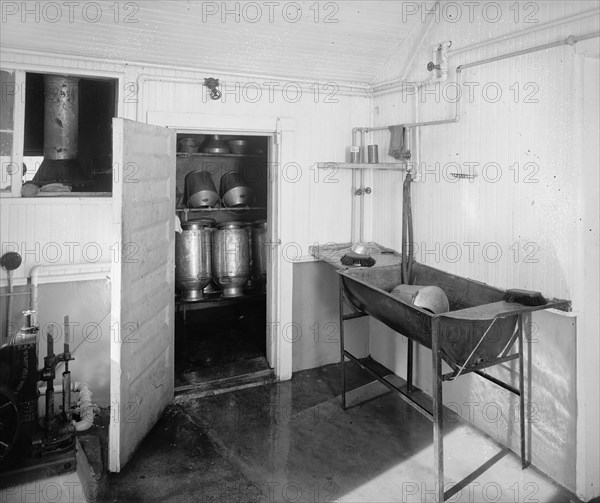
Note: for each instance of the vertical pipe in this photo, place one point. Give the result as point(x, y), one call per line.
point(66, 377)
point(361, 199)
point(50, 387)
point(9, 308)
point(343, 359)
point(61, 117)
point(353, 208)
point(438, 426)
point(521, 393)
point(361, 203)
point(66, 397)
point(409, 366)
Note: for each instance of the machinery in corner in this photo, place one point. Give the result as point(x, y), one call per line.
point(38, 442)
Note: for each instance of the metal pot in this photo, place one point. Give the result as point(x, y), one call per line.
point(430, 298)
point(231, 258)
point(260, 252)
point(215, 145)
point(189, 145)
point(201, 190)
point(235, 191)
point(193, 252)
point(238, 146)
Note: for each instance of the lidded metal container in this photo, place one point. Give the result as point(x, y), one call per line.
point(200, 190)
point(260, 251)
point(193, 253)
point(235, 191)
point(231, 257)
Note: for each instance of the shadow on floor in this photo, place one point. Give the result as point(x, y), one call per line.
point(291, 441)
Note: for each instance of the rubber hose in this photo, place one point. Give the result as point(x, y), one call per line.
point(407, 231)
point(409, 225)
point(403, 252)
point(85, 407)
point(85, 404)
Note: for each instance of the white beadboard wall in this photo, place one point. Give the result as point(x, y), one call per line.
point(321, 207)
point(499, 213)
point(541, 218)
point(322, 201)
point(530, 224)
point(322, 204)
point(60, 231)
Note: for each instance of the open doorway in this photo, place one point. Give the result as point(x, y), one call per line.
point(222, 250)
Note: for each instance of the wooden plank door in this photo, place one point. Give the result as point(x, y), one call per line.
point(143, 270)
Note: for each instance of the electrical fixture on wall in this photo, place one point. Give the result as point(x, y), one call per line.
point(212, 84)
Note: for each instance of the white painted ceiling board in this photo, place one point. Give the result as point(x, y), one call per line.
point(184, 33)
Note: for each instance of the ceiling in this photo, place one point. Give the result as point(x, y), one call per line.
point(347, 40)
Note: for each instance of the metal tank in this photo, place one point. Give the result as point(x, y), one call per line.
point(193, 252)
point(259, 252)
point(231, 258)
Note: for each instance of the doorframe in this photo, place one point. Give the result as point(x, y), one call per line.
point(585, 291)
point(280, 131)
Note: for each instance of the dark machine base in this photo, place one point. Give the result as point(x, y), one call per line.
point(50, 465)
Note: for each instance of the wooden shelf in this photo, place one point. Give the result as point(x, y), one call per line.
point(203, 154)
point(394, 166)
point(245, 208)
point(215, 300)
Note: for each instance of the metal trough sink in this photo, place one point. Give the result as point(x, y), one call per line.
point(474, 308)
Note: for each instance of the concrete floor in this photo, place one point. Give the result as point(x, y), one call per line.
point(291, 442)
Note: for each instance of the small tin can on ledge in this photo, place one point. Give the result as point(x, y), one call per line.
point(373, 154)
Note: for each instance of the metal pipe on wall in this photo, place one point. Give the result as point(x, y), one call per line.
point(571, 40)
point(393, 83)
point(528, 31)
point(63, 273)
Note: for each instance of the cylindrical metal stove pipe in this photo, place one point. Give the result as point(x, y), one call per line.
point(61, 117)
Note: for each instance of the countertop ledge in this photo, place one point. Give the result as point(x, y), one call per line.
point(333, 252)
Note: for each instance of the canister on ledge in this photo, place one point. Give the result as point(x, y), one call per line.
point(373, 154)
